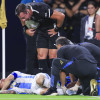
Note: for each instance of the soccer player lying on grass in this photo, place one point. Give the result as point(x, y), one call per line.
point(21, 83)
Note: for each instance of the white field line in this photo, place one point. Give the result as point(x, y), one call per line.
point(50, 98)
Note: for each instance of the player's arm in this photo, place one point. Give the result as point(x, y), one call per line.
point(46, 11)
point(7, 82)
point(7, 92)
point(97, 26)
point(28, 31)
point(60, 19)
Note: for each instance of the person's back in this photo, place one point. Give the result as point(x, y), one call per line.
point(93, 49)
point(71, 52)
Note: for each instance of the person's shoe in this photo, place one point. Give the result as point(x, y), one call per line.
point(93, 85)
point(51, 91)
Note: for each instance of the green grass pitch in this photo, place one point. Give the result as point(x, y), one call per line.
point(40, 97)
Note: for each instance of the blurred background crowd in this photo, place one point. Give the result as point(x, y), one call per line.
point(74, 11)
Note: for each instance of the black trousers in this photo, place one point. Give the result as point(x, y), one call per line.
point(31, 55)
point(82, 69)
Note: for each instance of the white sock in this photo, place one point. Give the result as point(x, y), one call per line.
point(46, 83)
point(74, 88)
point(64, 89)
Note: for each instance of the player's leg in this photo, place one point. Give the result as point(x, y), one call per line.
point(63, 81)
point(52, 49)
point(88, 73)
point(52, 53)
point(42, 50)
point(43, 80)
point(58, 64)
point(42, 59)
point(31, 55)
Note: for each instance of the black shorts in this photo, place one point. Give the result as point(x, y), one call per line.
point(45, 41)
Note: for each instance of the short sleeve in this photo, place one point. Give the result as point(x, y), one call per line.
point(15, 74)
point(41, 10)
point(45, 11)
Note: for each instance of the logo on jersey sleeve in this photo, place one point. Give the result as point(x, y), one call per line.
point(13, 84)
point(61, 62)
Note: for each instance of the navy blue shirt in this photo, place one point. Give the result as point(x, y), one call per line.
point(93, 49)
point(69, 52)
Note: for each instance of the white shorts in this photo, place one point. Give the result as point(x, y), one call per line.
point(36, 88)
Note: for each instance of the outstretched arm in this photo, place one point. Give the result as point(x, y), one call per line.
point(7, 92)
point(7, 82)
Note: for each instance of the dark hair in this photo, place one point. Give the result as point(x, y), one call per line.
point(20, 8)
point(92, 3)
point(63, 41)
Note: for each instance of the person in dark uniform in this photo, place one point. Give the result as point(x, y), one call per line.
point(31, 52)
point(47, 31)
point(93, 49)
point(78, 61)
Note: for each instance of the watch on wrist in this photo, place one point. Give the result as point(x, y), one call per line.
point(56, 29)
point(97, 32)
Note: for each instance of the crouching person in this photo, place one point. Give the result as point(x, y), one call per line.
point(78, 61)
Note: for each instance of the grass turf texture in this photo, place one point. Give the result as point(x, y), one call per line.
point(40, 97)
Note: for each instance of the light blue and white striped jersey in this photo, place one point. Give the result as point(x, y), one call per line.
point(25, 83)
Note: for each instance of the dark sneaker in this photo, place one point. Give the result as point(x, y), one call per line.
point(93, 85)
point(50, 91)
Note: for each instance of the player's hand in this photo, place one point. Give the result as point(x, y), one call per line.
point(97, 36)
point(30, 32)
point(51, 32)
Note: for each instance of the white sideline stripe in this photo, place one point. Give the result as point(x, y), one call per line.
point(50, 98)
